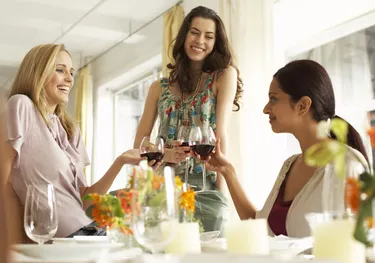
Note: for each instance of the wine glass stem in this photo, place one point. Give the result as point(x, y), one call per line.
point(204, 177)
point(186, 170)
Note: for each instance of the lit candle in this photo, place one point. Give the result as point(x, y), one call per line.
point(334, 240)
point(186, 239)
point(248, 237)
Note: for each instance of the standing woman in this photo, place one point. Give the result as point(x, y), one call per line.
point(201, 90)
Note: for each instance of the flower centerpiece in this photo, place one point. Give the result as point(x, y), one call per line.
point(359, 191)
point(114, 211)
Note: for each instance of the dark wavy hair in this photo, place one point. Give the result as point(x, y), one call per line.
point(305, 77)
point(218, 60)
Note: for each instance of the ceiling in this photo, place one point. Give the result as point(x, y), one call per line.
point(86, 27)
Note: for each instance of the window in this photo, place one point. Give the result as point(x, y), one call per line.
point(128, 108)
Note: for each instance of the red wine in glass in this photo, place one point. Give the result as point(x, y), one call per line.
point(185, 144)
point(202, 142)
point(153, 150)
point(158, 156)
point(203, 150)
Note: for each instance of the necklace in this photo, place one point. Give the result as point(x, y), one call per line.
point(195, 91)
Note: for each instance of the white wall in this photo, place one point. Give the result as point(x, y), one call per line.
point(297, 22)
point(190, 4)
point(122, 59)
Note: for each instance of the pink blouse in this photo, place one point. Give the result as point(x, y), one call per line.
point(46, 155)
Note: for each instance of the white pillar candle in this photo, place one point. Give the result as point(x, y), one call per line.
point(248, 237)
point(334, 240)
point(186, 239)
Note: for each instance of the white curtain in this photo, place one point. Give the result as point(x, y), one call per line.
point(256, 153)
point(84, 112)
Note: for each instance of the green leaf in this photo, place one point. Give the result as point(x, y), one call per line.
point(340, 129)
point(158, 200)
point(365, 211)
point(87, 197)
point(340, 165)
point(324, 152)
point(368, 182)
point(116, 207)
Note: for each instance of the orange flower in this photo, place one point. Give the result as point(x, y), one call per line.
point(353, 194)
point(178, 182)
point(126, 200)
point(126, 230)
point(157, 181)
point(187, 200)
point(371, 133)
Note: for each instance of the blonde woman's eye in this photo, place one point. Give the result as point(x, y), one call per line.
point(60, 70)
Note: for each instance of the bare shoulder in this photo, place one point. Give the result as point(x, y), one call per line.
point(228, 73)
point(226, 78)
point(155, 89)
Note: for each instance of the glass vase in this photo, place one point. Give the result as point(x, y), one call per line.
point(116, 236)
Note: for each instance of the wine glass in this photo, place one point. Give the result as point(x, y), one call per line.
point(154, 217)
point(202, 142)
point(183, 136)
point(153, 150)
point(40, 218)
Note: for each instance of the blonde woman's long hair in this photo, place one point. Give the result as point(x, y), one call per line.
point(35, 70)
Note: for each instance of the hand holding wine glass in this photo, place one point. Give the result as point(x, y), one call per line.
point(217, 161)
point(202, 143)
point(153, 151)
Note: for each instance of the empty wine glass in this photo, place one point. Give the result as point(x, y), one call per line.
point(40, 219)
point(202, 142)
point(155, 209)
point(183, 137)
point(153, 150)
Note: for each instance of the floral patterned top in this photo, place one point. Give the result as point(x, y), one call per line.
point(199, 111)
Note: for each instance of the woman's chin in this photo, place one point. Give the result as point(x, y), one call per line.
point(196, 57)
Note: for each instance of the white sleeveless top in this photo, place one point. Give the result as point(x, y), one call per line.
point(308, 200)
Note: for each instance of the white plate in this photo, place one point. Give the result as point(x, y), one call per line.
point(207, 236)
point(62, 240)
point(91, 239)
point(279, 246)
point(66, 252)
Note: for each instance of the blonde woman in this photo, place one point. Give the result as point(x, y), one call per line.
point(4, 242)
point(44, 145)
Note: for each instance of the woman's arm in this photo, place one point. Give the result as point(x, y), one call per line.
point(102, 186)
point(174, 155)
point(7, 212)
point(6, 161)
point(149, 113)
point(218, 163)
point(226, 86)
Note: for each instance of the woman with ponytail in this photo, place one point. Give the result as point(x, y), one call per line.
point(300, 96)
